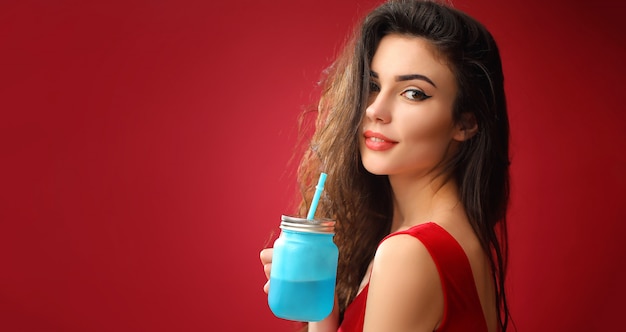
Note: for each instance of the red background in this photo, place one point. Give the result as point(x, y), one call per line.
point(145, 144)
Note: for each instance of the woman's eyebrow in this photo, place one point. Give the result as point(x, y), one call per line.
point(409, 77)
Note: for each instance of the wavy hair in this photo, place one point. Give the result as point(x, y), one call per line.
point(361, 202)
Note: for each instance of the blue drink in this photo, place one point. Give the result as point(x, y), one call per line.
point(302, 292)
point(304, 268)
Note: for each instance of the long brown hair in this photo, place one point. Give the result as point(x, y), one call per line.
point(361, 202)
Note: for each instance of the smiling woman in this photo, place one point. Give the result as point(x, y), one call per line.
point(413, 134)
point(409, 109)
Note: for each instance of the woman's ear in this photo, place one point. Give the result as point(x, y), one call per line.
point(466, 128)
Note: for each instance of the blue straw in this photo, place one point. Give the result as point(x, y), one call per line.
point(316, 197)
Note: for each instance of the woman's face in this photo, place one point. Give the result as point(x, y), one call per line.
point(408, 127)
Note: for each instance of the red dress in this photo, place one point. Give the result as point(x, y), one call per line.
point(462, 310)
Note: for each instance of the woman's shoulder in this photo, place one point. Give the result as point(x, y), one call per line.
point(425, 232)
point(405, 289)
point(444, 243)
point(408, 250)
point(402, 245)
point(412, 244)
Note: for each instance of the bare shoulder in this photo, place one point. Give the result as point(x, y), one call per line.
point(405, 292)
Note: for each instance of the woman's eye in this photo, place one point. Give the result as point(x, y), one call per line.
point(374, 87)
point(414, 94)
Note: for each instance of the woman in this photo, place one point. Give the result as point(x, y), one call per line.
point(413, 134)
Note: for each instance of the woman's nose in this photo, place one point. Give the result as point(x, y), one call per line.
point(379, 108)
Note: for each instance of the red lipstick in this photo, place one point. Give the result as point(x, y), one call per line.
point(377, 142)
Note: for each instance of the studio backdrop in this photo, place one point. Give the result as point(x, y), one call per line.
point(148, 149)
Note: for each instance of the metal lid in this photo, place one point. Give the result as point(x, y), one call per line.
point(307, 225)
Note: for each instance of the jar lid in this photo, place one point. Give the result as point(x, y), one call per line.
point(307, 225)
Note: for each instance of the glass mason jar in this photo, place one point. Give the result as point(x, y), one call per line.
point(304, 270)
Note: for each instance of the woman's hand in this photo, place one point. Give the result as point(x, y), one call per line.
point(266, 260)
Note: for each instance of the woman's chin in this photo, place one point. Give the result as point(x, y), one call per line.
point(376, 169)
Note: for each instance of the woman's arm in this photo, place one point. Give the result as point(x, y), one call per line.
point(405, 292)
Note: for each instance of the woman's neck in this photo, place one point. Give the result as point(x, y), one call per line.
point(423, 199)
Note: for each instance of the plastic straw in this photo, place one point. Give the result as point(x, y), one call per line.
point(316, 198)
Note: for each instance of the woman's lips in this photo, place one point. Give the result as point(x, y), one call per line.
point(377, 142)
